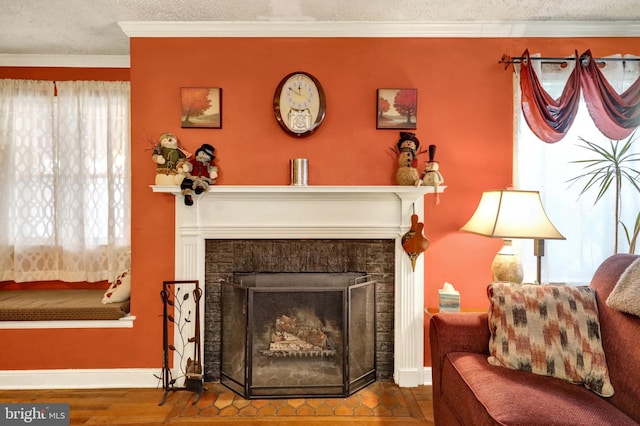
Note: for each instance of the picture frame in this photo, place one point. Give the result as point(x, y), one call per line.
point(201, 107)
point(397, 109)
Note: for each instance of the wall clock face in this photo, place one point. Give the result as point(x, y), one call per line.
point(299, 104)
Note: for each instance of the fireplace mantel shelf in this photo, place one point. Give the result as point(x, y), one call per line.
point(402, 192)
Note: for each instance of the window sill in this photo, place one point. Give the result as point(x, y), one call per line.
point(124, 322)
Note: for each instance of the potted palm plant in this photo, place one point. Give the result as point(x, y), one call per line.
point(611, 166)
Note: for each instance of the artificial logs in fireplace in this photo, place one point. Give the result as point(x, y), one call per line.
point(298, 334)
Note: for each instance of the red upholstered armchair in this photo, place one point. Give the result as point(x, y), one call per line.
point(467, 390)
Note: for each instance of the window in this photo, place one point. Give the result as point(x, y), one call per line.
point(65, 193)
point(588, 228)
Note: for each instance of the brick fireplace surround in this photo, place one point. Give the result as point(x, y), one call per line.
point(318, 213)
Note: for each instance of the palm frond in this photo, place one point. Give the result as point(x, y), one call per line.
point(604, 186)
point(632, 237)
point(636, 233)
point(612, 164)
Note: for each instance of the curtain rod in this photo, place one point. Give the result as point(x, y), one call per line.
point(508, 60)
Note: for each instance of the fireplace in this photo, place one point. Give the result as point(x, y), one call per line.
point(314, 213)
point(233, 260)
point(298, 334)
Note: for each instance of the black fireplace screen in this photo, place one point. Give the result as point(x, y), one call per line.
point(300, 334)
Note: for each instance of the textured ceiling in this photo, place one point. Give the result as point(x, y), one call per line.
point(90, 27)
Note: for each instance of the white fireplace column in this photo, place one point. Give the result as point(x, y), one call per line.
point(314, 212)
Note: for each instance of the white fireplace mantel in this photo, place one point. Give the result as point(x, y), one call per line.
point(332, 212)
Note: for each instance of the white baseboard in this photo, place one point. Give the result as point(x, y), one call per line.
point(97, 379)
point(428, 380)
point(124, 322)
point(80, 379)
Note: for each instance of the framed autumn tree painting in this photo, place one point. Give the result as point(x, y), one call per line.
point(397, 109)
point(201, 107)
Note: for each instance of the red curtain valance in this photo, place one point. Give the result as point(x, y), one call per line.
point(615, 115)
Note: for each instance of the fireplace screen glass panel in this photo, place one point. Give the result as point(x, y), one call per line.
point(234, 302)
point(362, 331)
point(297, 342)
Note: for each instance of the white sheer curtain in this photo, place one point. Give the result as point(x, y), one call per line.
point(65, 193)
point(589, 228)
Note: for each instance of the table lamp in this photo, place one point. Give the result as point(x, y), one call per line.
point(509, 214)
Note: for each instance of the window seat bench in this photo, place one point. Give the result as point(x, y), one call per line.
point(59, 305)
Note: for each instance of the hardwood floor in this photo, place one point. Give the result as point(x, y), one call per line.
point(378, 404)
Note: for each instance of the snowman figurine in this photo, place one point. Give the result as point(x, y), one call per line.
point(431, 175)
point(407, 150)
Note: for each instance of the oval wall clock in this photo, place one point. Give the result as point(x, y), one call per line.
point(299, 104)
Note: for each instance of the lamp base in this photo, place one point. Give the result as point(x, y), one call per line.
point(506, 266)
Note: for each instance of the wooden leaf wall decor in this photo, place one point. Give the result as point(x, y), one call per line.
point(414, 242)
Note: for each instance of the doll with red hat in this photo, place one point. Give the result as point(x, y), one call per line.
point(199, 171)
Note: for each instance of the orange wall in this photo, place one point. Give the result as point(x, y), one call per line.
point(464, 107)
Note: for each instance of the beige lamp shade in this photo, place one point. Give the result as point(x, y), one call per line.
point(512, 214)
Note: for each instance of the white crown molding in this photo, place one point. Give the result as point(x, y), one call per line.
point(461, 29)
point(71, 61)
point(319, 29)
